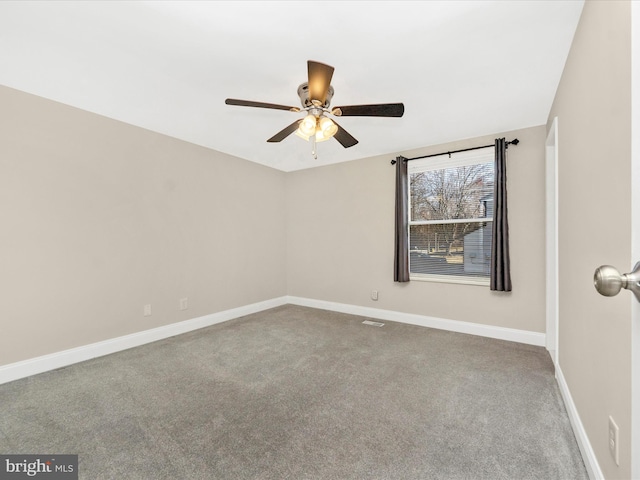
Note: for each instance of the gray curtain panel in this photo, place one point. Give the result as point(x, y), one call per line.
point(500, 264)
point(401, 250)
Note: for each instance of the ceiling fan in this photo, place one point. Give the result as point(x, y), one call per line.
point(315, 97)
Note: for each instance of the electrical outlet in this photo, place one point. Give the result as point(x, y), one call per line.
point(614, 438)
point(184, 303)
point(374, 294)
point(147, 310)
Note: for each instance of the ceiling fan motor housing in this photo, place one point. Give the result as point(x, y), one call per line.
point(303, 93)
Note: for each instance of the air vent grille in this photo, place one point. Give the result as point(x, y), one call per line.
point(374, 324)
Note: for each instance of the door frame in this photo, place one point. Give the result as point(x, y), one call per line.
point(635, 237)
point(551, 192)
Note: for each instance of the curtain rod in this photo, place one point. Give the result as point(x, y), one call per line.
point(515, 141)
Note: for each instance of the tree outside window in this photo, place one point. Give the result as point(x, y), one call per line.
point(451, 209)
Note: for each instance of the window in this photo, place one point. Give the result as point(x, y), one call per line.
point(450, 217)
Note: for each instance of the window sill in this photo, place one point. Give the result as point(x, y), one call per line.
point(481, 282)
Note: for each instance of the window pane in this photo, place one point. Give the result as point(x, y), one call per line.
point(453, 193)
point(450, 249)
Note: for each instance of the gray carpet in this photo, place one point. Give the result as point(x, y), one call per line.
point(298, 393)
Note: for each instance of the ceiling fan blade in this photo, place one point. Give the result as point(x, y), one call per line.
point(379, 110)
point(285, 132)
point(319, 80)
point(344, 137)
point(250, 103)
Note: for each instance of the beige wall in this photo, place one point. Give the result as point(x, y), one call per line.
point(340, 239)
point(593, 106)
point(98, 218)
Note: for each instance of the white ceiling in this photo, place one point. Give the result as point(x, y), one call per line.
point(462, 69)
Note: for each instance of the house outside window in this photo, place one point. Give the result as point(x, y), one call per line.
point(451, 216)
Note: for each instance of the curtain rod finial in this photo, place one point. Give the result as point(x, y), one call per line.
point(515, 141)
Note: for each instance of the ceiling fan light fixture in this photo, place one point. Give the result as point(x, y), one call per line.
point(301, 135)
point(323, 128)
point(307, 126)
point(321, 136)
point(326, 127)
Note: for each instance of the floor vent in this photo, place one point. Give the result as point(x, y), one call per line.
point(375, 324)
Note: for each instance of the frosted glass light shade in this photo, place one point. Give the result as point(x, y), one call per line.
point(327, 127)
point(308, 125)
point(323, 128)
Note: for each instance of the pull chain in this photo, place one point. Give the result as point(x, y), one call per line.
point(313, 147)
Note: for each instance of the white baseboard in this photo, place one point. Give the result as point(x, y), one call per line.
point(33, 366)
point(588, 455)
point(501, 333)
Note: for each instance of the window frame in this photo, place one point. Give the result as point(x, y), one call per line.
point(476, 157)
